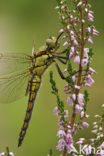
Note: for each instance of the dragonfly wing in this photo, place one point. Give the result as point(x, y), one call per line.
point(14, 74)
point(13, 86)
point(10, 63)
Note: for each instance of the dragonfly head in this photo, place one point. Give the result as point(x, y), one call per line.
point(53, 43)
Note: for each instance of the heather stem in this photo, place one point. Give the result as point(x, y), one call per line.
point(80, 67)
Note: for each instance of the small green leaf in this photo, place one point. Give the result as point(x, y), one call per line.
point(50, 152)
point(55, 92)
point(90, 54)
point(86, 99)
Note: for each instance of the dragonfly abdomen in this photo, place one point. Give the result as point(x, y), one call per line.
point(34, 85)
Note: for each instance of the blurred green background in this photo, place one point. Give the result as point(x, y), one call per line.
point(20, 22)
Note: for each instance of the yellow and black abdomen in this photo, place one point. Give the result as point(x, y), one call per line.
point(38, 67)
point(33, 86)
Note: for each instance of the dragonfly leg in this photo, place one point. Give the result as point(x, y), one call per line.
point(61, 58)
point(59, 71)
point(63, 62)
point(63, 52)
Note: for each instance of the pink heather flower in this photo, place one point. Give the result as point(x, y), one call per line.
point(66, 86)
point(61, 133)
point(77, 87)
point(90, 19)
point(73, 78)
point(48, 155)
point(68, 27)
point(2, 154)
point(69, 138)
point(94, 131)
point(71, 32)
point(88, 149)
point(91, 12)
point(65, 70)
point(82, 114)
point(85, 146)
point(65, 44)
point(72, 49)
point(56, 111)
point(102, 145)
point(85, 124)
point(94, 123)
point(57, 7)
point(68, 147)
point(95, 32)
point(87, 85)
point(72, 37)
point(80, 98)
point(66, 114)
point(92, 70)
point(69, 100)
point(95, 126)
point(79, 142)
point(66, 91)
point(72, 52)
point(61, 145)
point(84, 62)
point(90, 40)
point(89, 5)
point(91, 140)
point(90, 16)
point(11, 154)
point(71, 55)
point(61, 30)
point(63, 37)
point(89, 30)
point(74, 19)
point(62, 7)
point(78, 108)
point(100, 129)
point(86, 51)
point(74, 97)
point(77, 59)
point(75, 42)
point(79, 4)
point(90, 79)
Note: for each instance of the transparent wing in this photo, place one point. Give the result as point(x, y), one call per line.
point(13, 62)
point(14, 74)
point(13, 87)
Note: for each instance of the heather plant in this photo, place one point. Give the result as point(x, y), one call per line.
point(7, 153)
point(77, 17)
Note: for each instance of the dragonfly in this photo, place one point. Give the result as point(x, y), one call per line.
point(21, 75)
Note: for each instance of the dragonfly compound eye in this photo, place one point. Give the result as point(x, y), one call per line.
point(51, 42)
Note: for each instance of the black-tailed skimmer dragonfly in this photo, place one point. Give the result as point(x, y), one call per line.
point(21, 75)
